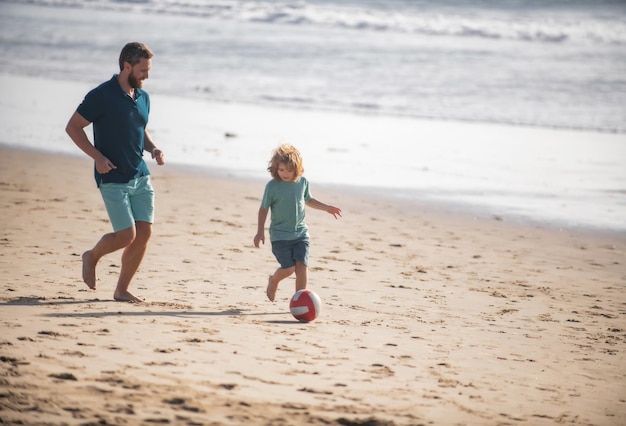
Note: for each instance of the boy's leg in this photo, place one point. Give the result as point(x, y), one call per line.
point(131, 259)
point(302, 276)
point(274, 279)
point(108, 244)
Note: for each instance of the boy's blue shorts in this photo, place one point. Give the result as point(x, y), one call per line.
point(127, 203)
point(287, 252)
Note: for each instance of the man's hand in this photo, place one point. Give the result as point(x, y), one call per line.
point(159, 156)
point(104, 165)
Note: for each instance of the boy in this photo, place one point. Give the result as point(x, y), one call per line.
point(286, 196)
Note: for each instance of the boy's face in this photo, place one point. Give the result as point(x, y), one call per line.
point(285, 173)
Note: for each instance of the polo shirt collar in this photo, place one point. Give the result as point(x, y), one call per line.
point(137, 91)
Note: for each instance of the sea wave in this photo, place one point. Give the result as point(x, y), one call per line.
point(509, 25)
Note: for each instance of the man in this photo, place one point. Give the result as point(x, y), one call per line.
point(119, 111)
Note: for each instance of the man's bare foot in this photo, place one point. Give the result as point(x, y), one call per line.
point(126, 296)
point(89, 270)
point(271, 289)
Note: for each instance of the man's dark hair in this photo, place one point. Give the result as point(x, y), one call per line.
point(133, 52)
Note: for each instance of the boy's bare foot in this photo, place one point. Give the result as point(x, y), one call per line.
point(89, 270)
point(271, 289)
point(126, 297)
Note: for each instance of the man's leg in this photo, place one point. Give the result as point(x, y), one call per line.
point(131, 259)
point(107, 244)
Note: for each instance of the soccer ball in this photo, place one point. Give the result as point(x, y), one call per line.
point(305, 305)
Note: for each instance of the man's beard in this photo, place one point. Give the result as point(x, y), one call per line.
point(134, 82)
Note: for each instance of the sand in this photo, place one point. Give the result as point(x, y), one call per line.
point(429, 317)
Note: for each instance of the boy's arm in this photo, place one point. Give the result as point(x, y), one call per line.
point(260, 231)
point(313, 203)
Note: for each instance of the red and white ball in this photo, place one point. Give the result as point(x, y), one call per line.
point(305, 305)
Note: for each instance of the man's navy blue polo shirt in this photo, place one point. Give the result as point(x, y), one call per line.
point(119, 124)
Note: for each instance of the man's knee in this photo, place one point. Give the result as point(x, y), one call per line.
point(125, 236)
point(143, 231)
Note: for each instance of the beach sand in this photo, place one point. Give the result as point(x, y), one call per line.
point(428, 317)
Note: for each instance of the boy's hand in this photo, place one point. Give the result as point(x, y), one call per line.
point(259, 238)
point(335, 211)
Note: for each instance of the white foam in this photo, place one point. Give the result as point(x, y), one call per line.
point(569, 177)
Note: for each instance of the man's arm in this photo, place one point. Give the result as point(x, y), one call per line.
point(76, 130)
point(149, 146)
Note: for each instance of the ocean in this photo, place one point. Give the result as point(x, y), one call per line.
point(513, 107)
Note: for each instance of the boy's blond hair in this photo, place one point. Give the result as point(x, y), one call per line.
point(290, 157)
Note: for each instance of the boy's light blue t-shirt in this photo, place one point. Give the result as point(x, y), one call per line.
point(286, 201)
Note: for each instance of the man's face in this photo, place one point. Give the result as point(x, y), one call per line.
point(139, 72)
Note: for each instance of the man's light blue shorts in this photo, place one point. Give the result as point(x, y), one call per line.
point(127, 203)
point(287, 252)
